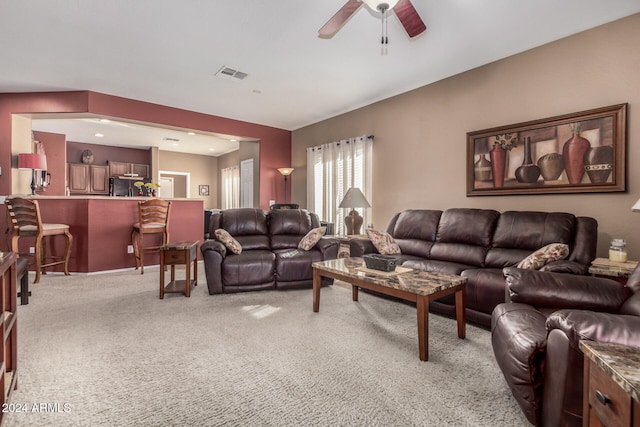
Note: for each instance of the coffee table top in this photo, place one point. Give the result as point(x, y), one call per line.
point(414, 281)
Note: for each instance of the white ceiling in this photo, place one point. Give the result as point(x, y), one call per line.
point(167, 51)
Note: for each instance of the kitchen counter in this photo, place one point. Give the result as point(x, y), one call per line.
point(101, 227)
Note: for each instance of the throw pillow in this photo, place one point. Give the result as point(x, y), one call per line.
point(384, 243)
point(232, 244)
point(311, 238)
point(551, 252)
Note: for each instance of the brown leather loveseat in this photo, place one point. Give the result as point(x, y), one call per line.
point(479, 243)
point(270, 258)
point(536, 336)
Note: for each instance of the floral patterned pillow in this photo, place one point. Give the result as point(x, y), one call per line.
point(551, 252)
point(384, 243)
point(232, 244)
point(311, 238)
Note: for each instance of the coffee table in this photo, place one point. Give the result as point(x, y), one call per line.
point(416, 286)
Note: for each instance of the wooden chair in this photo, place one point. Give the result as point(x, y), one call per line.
point(27, 222)
point(153, 217)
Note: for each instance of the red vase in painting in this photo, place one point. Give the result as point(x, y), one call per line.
point(498, 163)
point(573, 153)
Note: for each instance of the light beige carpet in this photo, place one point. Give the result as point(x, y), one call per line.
point(104, 350)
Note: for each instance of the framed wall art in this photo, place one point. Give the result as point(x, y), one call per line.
point(572, 153)
point(203, 190)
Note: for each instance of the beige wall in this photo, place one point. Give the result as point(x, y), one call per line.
point(21, 142)
point(419, 149)
point(203, 170)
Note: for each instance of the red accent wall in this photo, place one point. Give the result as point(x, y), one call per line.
point(54, 147)
point(275, 144)
point(103, 153)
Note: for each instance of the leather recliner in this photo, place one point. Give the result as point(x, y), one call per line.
point(270, 258)
point(535, 336)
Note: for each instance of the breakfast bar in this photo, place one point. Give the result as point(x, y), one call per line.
point(101, 227)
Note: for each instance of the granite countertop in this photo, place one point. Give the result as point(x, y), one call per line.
point(620, 362)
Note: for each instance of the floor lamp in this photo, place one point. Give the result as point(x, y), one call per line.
point(285, 172)
point(34, 162)
point(354, 199)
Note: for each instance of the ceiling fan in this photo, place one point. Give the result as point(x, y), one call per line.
point(404, 10)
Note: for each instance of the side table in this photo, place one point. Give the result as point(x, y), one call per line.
point(179, 253)
point(618, 271)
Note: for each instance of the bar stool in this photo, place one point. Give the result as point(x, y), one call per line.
point(27, 222)
point(153, 217)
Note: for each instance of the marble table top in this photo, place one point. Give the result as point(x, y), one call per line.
point(414, 281)
point(620, 362)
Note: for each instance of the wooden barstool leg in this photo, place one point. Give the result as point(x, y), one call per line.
point(134, 243)
point(67, 253)
point(141, 251)
point(38, 257)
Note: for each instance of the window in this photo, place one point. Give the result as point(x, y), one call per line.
point(230, 187)
point(334, 168)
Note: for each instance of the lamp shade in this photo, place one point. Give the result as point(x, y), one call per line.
point(354, 199)
point(32, 161)
point(285, 171)
point(636, 207)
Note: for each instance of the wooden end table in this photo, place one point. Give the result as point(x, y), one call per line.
point(618, 271)
point(416, 286)
point(179, 253)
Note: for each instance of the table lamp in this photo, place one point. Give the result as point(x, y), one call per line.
point(34, 162)
point(285, 172)
point(354, 199)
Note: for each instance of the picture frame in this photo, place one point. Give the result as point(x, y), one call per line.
point(581, 152)
point(203, 190)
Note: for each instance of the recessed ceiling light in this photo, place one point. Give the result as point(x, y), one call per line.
point(105, 120)
point(212, 149)
point(233, 140)
point(99, 135)
point(191, 133)
point(175, 144)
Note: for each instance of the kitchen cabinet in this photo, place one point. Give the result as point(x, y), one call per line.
point(123, 168)
point(88, 179)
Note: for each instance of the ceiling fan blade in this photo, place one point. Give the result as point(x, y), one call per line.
point(339, 19)
point(409, 18)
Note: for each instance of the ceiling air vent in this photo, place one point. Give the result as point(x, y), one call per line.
point(231, 74)
point(170, 139)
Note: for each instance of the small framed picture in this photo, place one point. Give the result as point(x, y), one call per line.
point(203, 190)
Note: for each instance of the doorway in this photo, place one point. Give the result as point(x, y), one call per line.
point(166, 187)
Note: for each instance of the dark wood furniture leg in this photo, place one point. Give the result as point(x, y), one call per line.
point(422, 307)
point(461, 315)
point(317, 278)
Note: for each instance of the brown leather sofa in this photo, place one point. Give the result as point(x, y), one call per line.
point(479, 243)
point(270, 258)
point(535, 336)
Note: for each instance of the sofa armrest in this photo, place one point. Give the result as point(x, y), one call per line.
point(589, 325)
point(564, 266)
point(557, 290)
point(213, 245)
point(213, 253)
point(328, 246)
point(359, 247)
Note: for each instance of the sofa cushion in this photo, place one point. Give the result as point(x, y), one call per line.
point(311, 238)
point(384, 243)
point(533, 230)
point(545, 255)
point(253, 267)
point(227, 240)
point(415, 230)
point(295, 264)
point(248, 226)
point(288, 226)
point(464, 236)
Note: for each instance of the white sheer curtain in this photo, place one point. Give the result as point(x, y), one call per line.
point(334, 168)
point(230, 187)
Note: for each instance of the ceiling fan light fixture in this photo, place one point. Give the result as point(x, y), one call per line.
point(381, 5)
